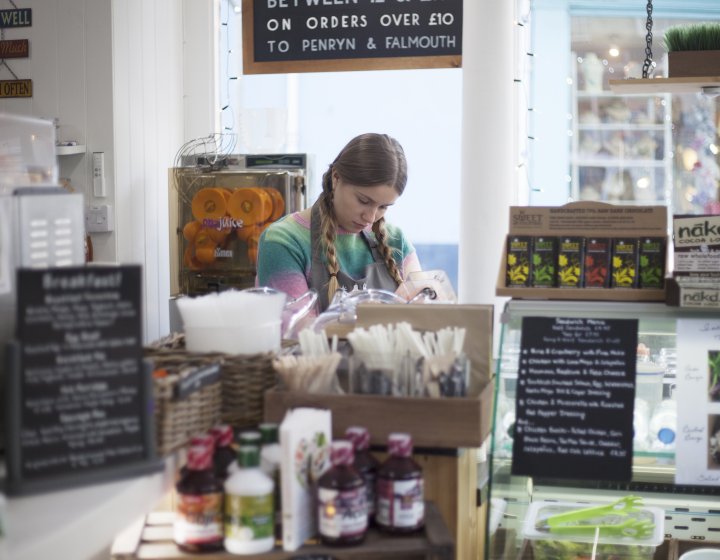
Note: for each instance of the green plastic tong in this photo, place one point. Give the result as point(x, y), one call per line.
point(608, 519)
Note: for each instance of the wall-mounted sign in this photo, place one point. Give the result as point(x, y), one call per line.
point(16, 18)
point(321, 36)
point(17, 48)
point(16, 88)
point(575, 395)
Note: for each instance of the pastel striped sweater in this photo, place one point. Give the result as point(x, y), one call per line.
point(284, 254)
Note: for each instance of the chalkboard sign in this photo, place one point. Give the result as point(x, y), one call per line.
point(338, 35)
point(77, 391)
point(575, 397)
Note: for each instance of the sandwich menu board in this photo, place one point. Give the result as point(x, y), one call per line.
point(77, 392)
point(575, 397)
point(333, 35)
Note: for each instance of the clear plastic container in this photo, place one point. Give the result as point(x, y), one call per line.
point(547, 545)
point(663, 425)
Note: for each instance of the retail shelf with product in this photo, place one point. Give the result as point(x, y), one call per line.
point(620, 143)
point(686, 512)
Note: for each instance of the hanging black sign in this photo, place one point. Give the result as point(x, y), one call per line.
point(16, 18)
point(405, 33)
point(575, 396)
point(77, 391)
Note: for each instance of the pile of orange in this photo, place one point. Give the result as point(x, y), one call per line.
point(253, 207)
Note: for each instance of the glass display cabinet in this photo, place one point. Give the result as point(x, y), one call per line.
point(691, 513)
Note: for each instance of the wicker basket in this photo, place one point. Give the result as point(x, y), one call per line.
point(234, 397)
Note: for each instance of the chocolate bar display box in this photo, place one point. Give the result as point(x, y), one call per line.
point(575, 221)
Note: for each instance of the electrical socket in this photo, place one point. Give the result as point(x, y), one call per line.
point(99, 219)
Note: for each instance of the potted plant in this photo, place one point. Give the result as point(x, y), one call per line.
point(693, 50)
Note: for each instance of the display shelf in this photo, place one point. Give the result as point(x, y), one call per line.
point(70, 150)
point(607, 124)
point(691, 512)
point(664, 85)
point(153, 539)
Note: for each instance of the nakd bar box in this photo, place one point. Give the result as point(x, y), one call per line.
point(597, 263)
point(696, 248)
point(571, 262)
point(624, 263)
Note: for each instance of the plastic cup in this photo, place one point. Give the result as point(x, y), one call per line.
point(249, 339)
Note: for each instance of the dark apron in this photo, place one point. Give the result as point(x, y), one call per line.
point(376, 277)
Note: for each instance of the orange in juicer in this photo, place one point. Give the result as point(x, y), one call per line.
point(205, 255)
point(191, 229)
point(278, 203)
point(251, 205)
point(208, 203)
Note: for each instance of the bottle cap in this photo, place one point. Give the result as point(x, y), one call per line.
point(269, 432)
point(359, 436)
point(250, 437)
point(203, 439)
point(666, 435)
point(400, 445)
point(223, 435)
point(341, 452)
point(199, 458)
point(248, 456)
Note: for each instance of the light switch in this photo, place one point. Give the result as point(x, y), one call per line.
point(99, 189)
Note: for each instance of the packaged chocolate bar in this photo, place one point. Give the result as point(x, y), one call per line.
point(571, 261)
point(517, 269)
point(597, 263)
point(624, 263)
point(544, 262)
point(651, 272)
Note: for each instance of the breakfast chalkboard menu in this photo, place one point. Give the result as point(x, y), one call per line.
point(575, 396)
point(319, 35)
point(77, 391)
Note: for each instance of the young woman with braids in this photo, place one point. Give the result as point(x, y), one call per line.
point(343, 241)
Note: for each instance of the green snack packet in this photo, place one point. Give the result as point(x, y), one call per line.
point(544, 262)
point(652, 263)
point(624, 263)
point(571, 261)
point(517, 263)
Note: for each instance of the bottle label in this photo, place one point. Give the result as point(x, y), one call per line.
point(400, 503)
point(198, 519)
point(342, 513)
point(249, 517)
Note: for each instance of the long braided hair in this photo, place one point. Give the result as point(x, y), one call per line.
point(367, 160)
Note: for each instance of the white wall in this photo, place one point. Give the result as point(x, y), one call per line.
point(147, 64)
point(70, 64)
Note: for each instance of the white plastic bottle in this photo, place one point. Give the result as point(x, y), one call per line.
point(663, 425)
point(269, 449)
point(249, 509)
point(248, 437)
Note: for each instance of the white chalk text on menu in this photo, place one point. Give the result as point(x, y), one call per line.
point(697, 449)
point(575, 394)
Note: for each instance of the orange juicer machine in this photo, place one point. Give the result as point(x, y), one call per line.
point(218, 215)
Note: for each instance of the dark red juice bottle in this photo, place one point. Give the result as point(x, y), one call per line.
point(342, 508)
point(400, 499)
point(224, 454)
point(365, 463)
point(198, 525)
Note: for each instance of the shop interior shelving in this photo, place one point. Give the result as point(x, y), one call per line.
point(704, 84)
point(691, 511)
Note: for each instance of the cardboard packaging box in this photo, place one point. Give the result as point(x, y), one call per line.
point(445, 422)
point(591, 221)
